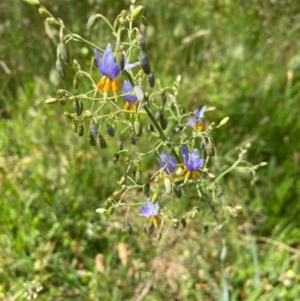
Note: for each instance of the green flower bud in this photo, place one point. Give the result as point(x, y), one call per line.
point(68, 115)
point(120, 59)
point(155, 197)
point(137, 12)
point(137, 128)
point(50, 101)
point(53, 21)
point(44, 12)
point(137, 175)
point(122, 180)
point(92, 21)
point(32, 2)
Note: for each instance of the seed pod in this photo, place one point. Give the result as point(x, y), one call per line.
point(137, 128)
point(78, 107)
point(209, 149)
point(145, 63)
point(132, 140)
point(149, 230)
point(150, 127)
point(92, 140)
point(75, 126)
point(121, 145)
point(163, 98)
point(80, 130)
point(183, 222)
point(151, 79)
point(110, 130)
point(102, 141)
point(163, 121)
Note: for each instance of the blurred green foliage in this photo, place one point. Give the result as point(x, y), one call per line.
point(240, 56)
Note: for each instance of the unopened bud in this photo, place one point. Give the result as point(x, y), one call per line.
point(137, 128)
point(120, 59)
point(146, 189)
point(44, 12)
point(92, 21)
point(178, 191)
point(142, 42)
point(32, 2)
point(137, 175)
point(101, 210)
point(155, 197)
point(163, 121)
point(116, 158)
point(92, 140)
point(110, 130)
point(62, 52)
point(151, 79)
point(59, 68)
point(137, 12)
point(50, 101)
point(223, 121)
point(80, 130)
point(102, 141)
point(168, 185)
point(145, 63)
point(122, 180)
point(78, 107)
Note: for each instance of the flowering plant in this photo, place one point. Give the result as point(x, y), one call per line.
point(144, 120)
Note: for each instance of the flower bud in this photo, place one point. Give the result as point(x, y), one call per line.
point(50, 101)
point(116, 158)
point(32, 2)
point(102, 141)
point(44, 12)
point(122, 180)
point(137, 175)
point(146, 189)
point(80, 130)
point(132, 140)
point(178, 191)
point(183, 222)
point(142, 42)
point(163, 121)
point(92, 21)
point(68, 115)
point(92, 140)
point(59, 68)
point(110, 130)
point(149, 230)
point(155, 197)
point(168, 185)
point(137, 128)
point(78, 107)
point(209, 149)
point(145, 63)
point(151, 79)
point(62, 53)
point(129, 228)
point(137, 12)
point(94, 130)
point(120, 59)
point(75, 126)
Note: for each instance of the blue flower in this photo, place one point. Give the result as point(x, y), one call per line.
point(108, 68)
point(192, 161)
point(168, 163)
point(128, 91)
point(197, 120)
point(151, 211)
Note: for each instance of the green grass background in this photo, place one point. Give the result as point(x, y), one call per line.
point(243, 57)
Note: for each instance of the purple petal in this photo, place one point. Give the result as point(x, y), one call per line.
point(96, 52)
point(109, 67)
